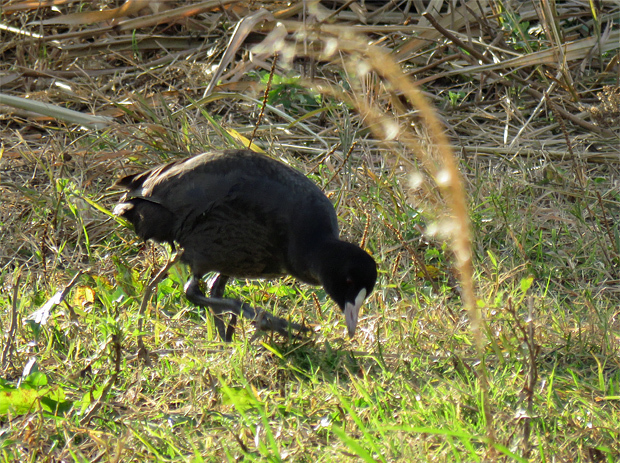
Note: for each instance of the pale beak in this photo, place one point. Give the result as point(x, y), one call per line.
point(352, 310)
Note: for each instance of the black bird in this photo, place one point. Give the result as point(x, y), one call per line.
point(243, 214)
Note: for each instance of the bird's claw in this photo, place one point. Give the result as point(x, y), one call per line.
point(265, 321)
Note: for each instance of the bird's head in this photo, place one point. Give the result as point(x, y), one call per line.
point(349, 275)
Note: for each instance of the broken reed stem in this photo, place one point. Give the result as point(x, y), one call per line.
point(265, 98)
point(344, 163)
point(115, 343)
point(8, 345)
point(364, 239)
point(148, 291)
point(530, 367)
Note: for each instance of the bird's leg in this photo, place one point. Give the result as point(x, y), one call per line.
point(217, 291)
point(195, 295)
point(218, 304)
point(263, 320)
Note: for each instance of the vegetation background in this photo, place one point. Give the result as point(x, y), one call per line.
point(493, 333)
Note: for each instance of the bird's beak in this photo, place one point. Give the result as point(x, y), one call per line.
point(352, 310)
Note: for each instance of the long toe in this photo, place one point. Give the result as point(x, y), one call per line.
point(267, 322)
point(263, 320)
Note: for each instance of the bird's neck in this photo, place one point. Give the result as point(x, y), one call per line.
point(328, 256)
point(317, 260)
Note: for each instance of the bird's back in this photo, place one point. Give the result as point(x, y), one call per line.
point(236, 212)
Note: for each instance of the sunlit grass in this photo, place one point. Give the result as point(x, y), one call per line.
point(408, 387)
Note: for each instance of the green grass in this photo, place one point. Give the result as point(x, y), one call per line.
point(410, 385)
point(406, 385)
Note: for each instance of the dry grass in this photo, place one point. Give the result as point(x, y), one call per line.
point(527, 94)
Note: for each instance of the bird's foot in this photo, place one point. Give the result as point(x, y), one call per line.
point(263, 320)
